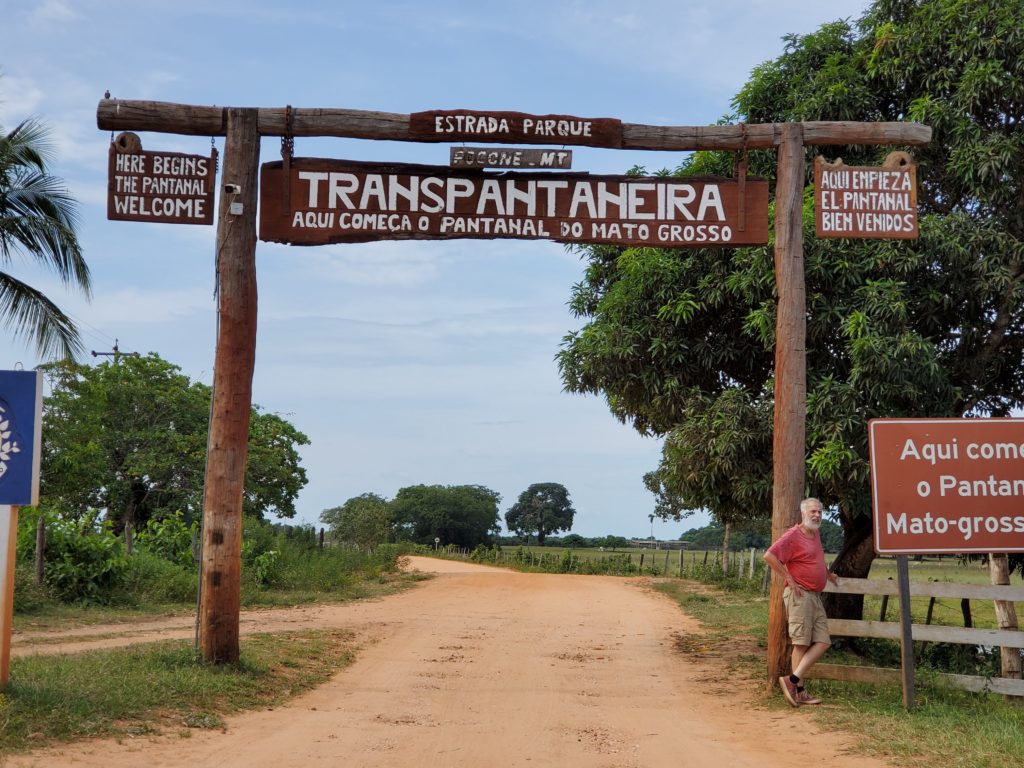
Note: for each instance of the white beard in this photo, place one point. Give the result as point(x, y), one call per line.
point(812, 524)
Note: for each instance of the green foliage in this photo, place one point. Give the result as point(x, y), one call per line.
point(28, 596)
point(151, 579)
point(463, 515)
point(680, 343)
point(84, 561)
point(362, 521)
point(38, 219)
point(129, 437)
point(543, 508)
point(171, 538)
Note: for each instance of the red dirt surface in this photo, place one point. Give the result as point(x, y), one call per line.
point(486, 667)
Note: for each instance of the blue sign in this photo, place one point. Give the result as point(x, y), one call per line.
point(21, 417)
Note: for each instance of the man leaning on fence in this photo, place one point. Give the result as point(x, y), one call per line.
point(799, 560)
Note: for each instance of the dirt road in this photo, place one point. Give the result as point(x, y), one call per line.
point(484, 667)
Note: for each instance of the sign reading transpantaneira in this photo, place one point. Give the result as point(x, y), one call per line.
point(864, 201)
point(947, 485)
point(166, 187)
point(334, 201)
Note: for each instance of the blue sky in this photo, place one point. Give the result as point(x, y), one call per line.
point(404, 362)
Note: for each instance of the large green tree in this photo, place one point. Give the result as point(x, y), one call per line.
point(463, 515)
point(543, 508)
point(129, 437)
point(38, 219)
point(363, 521)
point(681, 342)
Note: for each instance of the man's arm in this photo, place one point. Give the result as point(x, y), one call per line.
point(780, 568)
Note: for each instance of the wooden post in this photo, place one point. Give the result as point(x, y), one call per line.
point(8, 547)
point(1006, 615)
point(906, 638)
point(790, 373)
point(220, 576)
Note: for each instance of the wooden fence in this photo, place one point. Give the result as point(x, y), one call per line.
point(925, 632)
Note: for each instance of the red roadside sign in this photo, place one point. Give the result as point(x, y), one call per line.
point(947, 486)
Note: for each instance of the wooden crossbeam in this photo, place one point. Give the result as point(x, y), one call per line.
point(192, 120)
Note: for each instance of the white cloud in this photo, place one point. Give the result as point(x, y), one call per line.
point(20, 97)
point(49, 12)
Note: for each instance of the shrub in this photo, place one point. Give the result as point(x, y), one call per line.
point(28, 597)
point(151, 578)
point(170, 538)
point(84, 563)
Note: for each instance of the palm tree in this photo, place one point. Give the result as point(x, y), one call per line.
point(38, 218)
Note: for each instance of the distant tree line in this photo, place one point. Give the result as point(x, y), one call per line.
point(459, 515)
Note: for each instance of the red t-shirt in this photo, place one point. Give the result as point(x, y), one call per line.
point(803, 556)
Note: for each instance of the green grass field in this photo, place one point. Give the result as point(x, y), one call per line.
point(698, 563)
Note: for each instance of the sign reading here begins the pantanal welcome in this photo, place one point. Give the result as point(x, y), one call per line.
point(163, 187)
point(334, 201)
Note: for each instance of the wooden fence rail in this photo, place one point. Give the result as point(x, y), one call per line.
point(924, 632)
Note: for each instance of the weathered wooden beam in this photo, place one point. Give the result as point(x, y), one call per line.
point(933, 633)
point(848, 586)
point(789, 436)
point(191, 120)
point(220, 574)
point(877, 675)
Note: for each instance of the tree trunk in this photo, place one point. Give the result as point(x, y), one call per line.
point(853, 561)
point(1006, 615)
point(725, 548)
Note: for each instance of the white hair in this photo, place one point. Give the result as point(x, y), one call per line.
point(809, 501)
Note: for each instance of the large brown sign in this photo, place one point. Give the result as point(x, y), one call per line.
point(515, 128)
point(166, 187)
point(335, 201)
point(864, 201)
point(947, 485)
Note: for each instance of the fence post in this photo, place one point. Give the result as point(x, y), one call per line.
point(906, 638)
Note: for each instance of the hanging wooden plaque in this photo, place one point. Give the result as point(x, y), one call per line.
point(165, 187)
point(865, 201)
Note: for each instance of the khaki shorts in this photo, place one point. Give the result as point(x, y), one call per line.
point(807, 621)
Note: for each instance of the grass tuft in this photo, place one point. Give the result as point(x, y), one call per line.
point(152, 687)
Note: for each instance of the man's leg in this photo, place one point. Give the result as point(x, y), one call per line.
point(808, 655)
point(797, 656)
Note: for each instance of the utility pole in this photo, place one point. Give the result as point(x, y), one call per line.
point(116, 354)
point(789, 440)
point(220, 576)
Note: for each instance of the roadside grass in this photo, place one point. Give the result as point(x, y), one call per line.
point(56, 616)
point(159, 687)
point(947, 727)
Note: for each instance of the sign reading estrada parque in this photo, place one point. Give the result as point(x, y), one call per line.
point(335, 201)
point(947, 485)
